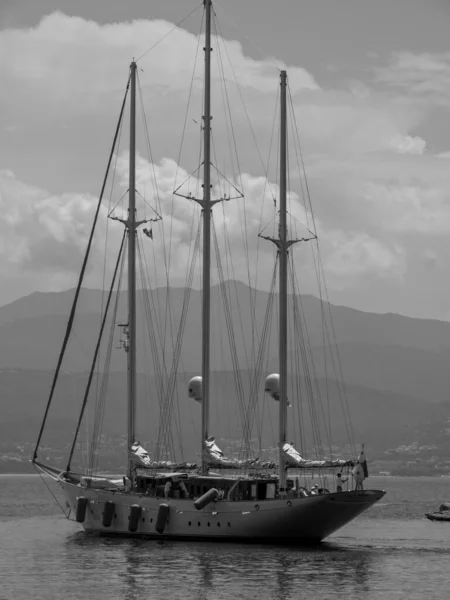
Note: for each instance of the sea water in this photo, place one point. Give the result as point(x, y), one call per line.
point(391, 552)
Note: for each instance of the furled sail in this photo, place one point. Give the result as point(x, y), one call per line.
point(360, 471)
point(139, 455)
point(216, 458)
point(294, 459)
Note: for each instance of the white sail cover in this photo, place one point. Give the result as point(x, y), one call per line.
point(142, 459)
point(217, 458)
point(214, 451)
point(294, 459)
point(139, 455)
point(363, 462)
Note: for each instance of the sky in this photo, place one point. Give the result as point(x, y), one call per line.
point(370, 85)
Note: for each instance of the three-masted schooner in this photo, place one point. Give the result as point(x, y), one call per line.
point(221, 499)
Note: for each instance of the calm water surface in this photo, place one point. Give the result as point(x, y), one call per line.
point(392, 552)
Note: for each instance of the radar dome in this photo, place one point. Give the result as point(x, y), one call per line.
point(272, 387)
point(195, 389)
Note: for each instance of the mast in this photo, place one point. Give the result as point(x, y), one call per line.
point(283, 254)
point(131, 226)
point(206, 210)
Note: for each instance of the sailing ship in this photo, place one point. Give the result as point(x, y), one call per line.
point(223, 499)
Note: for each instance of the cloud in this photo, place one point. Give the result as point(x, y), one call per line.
point(376, 188)
point(49, 233)
point(355, 255)
point(87, 62)
point(43, 236)
point(425, 75)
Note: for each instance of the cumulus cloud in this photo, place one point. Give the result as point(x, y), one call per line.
point(425, 74)
point(357, 254)
point(374, 183)
point(42, 234)
point(49, 233)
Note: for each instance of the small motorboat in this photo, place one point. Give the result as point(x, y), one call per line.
point(443, 514)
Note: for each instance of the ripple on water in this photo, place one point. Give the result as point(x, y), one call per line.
point(381, 556)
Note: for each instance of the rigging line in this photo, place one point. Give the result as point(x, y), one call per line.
point(264, 56)
point(153, 339)
point(149, 149)
point(321, 278)
point(97, 348)
point(243, 104)
point(300, 223)
point(265, 334)
point(189, 97)
point(225, 178)
point(224, 104)
point(149, 205)
point(100, 406)
point(306, 351)
point(81, 277)
point(188, 178)
point(156, 191)
point(148, 292)
point(168, 255)
point(114, 172)
point(117, 203)
point(266, 183)
point(232, 341)
point(308, 208)
point(302, 160)
point(298, 153)
point(150, 327)
point(39, 472)
point(258, 242)
point(169, 32)
point(167, 401)
point(242, 222)
point(168, 259)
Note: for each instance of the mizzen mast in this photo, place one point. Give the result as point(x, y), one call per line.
point(283, 246)
point(206, 212)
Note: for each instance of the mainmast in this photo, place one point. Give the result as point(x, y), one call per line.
point(131, 226)
point(206, 211)
point(283, 246)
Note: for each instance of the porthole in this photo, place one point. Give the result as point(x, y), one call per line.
point(198, 523)
point(151, 520)
point(218, 524)
point(209, 524)
point(189, 523)
point(229, 524)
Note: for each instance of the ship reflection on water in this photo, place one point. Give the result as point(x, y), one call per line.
point(140, 568)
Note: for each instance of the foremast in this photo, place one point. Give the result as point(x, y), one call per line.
point(131, 228)
point(206, 212)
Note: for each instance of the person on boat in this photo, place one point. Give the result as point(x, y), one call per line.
point(358, 475)
point(168, 488)
point(315, 490)
point(183, 489)
point(339, 482)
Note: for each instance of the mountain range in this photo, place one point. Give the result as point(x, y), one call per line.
point(395, 368)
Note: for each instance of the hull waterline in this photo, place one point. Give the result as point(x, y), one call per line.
point(295, 520)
